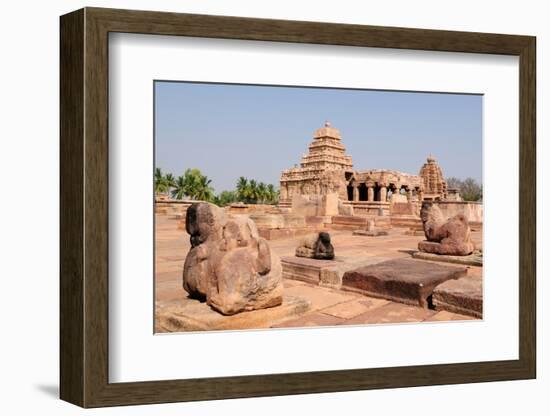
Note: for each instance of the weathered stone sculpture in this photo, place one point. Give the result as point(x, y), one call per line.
point(229, 264)
point(316, 246)
point(445, 236)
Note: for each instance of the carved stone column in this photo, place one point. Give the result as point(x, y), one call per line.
point(409, 195)
point(383, 193)
point(370, 192)
point(355, 192)
point(420, 195)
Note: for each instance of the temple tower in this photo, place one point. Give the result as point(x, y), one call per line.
point(322, 170)
point(327, 152)
point(435, 187)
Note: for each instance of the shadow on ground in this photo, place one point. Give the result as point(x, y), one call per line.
point(51, 390)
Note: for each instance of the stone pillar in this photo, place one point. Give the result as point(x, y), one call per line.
point(383, 193)
point(420, 195)
point(355, 193)
point(409, 195)
point(370, 193)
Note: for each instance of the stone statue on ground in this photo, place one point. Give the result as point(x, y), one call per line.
point(450, 236)
point(229, 265)
point(316, 246)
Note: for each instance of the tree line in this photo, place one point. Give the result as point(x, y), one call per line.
point(194, 185)
point(469, 188)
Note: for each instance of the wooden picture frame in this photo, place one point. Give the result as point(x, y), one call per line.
point(84, 207)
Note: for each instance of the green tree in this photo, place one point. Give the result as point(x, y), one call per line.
point(193, 184)
point(203, 190)
point(262, 192)
point(242, 189)
point(178, 191)
point(453, 182)
point(272, 194)
point(253, 191)
point(471, 190)
point(161, 186)
point(170, 182)
point(225, 198)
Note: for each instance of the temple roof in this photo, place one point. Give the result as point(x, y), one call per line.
point(327, 131)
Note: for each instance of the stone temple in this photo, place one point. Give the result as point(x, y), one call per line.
point(327, 169)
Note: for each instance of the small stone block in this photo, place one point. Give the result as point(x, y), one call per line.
point(463, 296)
point(402, 280)
point(305, 269)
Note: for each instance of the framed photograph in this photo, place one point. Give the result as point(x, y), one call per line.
point(255, 207)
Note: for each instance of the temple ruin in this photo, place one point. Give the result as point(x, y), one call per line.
point(327, 169)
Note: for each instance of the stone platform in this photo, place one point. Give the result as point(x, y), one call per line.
point(407, 281)
point(327, 273)
point(192, 315)
point(464, 296)
point(474, 259)
point(344, 222)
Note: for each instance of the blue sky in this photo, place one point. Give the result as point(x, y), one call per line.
point(229, 131)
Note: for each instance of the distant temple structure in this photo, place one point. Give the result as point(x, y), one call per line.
point(327, 169)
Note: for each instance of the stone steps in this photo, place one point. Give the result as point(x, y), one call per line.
point(343, 222)
point(408, 221)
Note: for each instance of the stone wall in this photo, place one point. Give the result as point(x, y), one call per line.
point(315, 205)
point(370, 208)
point(472, 210)
point(240, 208)
point(404, 208)
point(172, 206)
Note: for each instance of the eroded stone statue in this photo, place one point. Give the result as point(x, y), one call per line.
point(316, 246)
point(450, 236)
point(229, 264)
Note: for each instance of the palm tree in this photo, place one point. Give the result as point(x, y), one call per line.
point(204, 191)
point(253, 191)
point(161, 186)
point(170, 181)
point(262, 192)
point(272, 193)
point(191, 180)
point(178, 191)
point(242, 189)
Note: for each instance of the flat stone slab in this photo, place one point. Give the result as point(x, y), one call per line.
point(187, 314)
point(463, 296)
point(407, 281)
point(372, 233)
point(474, 259)
point(326, 273)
